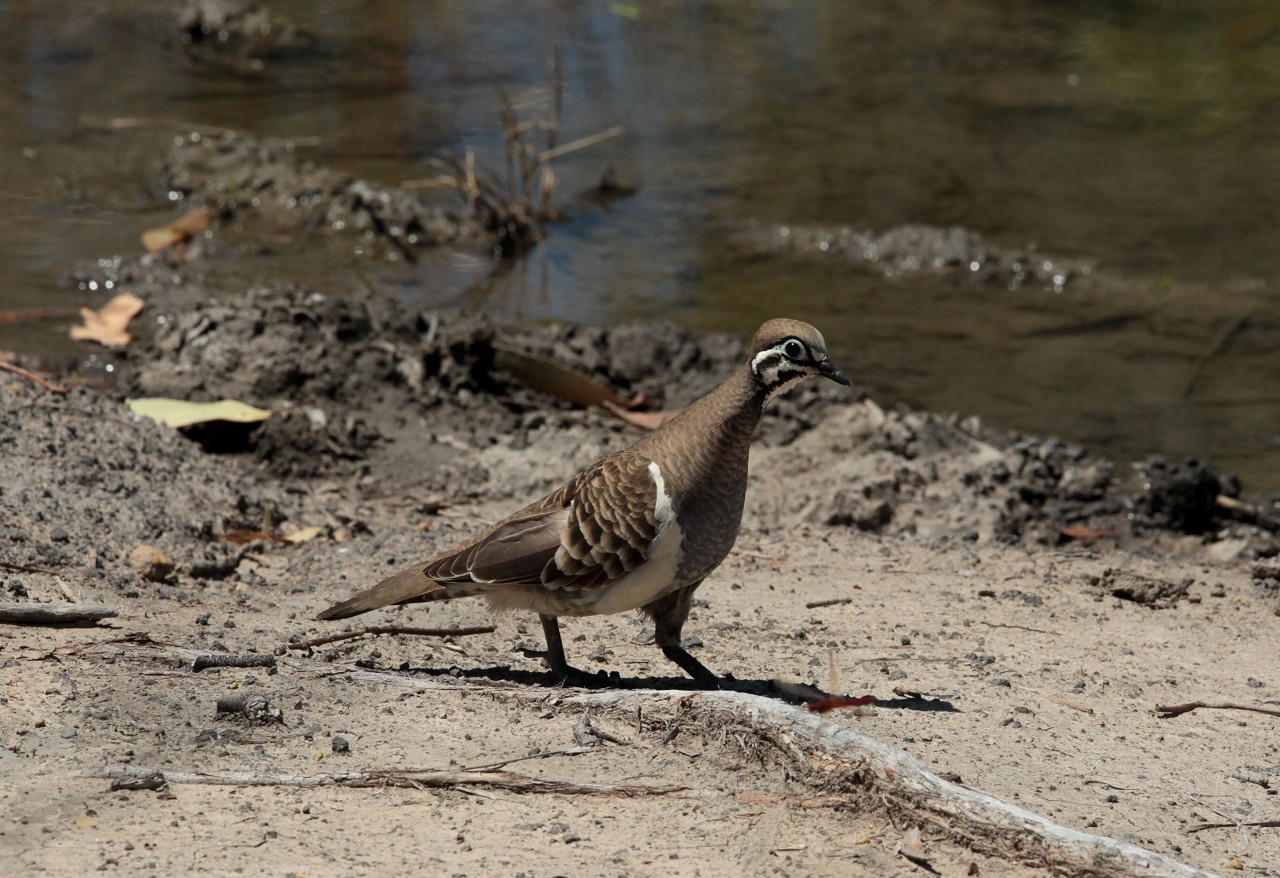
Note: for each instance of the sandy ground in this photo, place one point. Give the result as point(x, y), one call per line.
point(996, 645)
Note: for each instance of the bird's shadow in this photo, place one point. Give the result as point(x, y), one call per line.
point(601, 680)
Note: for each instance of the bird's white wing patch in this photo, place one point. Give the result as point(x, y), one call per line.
point(656, 576)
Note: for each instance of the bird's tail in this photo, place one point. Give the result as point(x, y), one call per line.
point(406, 587)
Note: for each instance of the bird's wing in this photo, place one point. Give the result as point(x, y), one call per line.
point(611, 526)
point(591, 532)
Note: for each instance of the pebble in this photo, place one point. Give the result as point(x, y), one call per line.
point(150, 563)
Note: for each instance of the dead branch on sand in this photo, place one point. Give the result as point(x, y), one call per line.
point(32, 376)
point(411, 778)
point(881, 774)
point(53, 614)
point(384, 629)
point(1179, 709)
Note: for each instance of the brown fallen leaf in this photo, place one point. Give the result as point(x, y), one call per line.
point(1084, 532)
point(184, 228)
point(551, 377)
point(109, 324)
point(646, 420)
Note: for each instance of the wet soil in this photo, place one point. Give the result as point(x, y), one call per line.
point(1018, 606)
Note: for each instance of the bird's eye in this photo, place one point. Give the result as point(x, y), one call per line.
point(793, 348)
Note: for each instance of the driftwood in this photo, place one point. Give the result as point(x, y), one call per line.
point(1169, 710)
point(414, 778)
point(53, 614)
point(893, 777)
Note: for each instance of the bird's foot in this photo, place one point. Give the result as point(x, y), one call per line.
point(567, 675)
point(691, 666)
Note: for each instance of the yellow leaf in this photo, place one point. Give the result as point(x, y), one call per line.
point(180, 413)
point(108, 325)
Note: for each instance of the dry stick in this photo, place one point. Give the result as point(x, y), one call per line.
point(33, 315)
point(1019, 627)
point(52, 614)
point(1179, 709)
point(581, 143)
point(32, 376)
point(829, 602)
point(1247, 512)
point(1269, 824)
point(385, 629)
point(26, 568)
point(414, 778)
point(1218, 345)
point(1064, 702)
point(225, 660)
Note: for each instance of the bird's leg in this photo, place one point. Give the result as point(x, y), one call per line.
point(559, 665)
point(555, 646)
point(669, 613)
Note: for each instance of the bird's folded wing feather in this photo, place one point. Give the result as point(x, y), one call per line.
point(591, 532)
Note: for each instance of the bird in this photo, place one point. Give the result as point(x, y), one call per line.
point(640, 528)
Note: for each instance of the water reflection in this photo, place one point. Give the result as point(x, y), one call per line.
point(1140, 137)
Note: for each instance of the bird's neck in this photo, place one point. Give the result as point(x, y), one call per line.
point(713, 435)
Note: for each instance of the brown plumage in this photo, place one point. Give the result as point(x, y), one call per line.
point(638, 529)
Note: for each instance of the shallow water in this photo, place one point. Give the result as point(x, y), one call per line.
point(1143, 140)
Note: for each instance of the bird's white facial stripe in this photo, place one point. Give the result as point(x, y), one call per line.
point(776, 371)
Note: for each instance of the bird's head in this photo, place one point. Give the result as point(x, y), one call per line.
point(785, 352)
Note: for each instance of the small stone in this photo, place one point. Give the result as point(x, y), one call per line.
point(68, 733)
point(340, 744)
point(150, 563)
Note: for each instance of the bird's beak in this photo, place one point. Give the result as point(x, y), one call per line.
point(829, 370)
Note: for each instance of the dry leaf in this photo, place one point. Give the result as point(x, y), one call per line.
point(557, 380)
point(1084, 532)
point(646, 420)
point(180, 413)
point(182, 229)
point(109, 325)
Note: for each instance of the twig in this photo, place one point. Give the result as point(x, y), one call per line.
point(26, 568)
point(384, 629)
point(413, 778)
point(32, 376)
point(1218, 345)
point(31, 315)
point(829, 602)
point(1179, 709)
point(1247, 512)
point(1269, 824)
point(546, 754)
point(53, 614)
point(581, 143)
point(1064, 702)
point(1019, 627)
point(225, 660)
